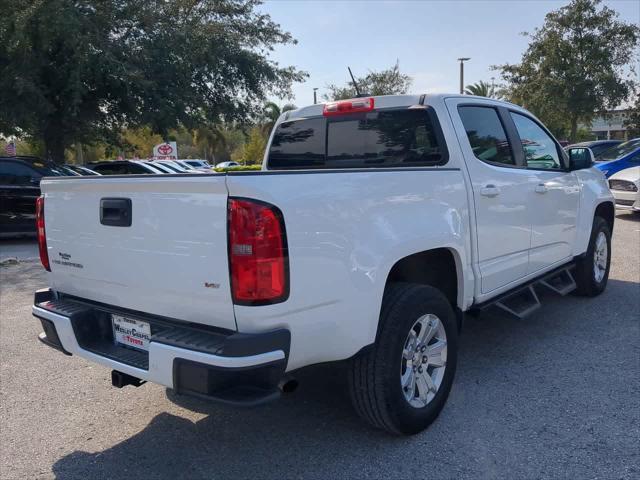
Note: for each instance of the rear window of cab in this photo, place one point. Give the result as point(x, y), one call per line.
point(378, 139)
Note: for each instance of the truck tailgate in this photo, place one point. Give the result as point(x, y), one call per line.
point(171, 261)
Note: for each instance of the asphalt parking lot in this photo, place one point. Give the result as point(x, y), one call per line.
point(555, 396)
point(18, 249)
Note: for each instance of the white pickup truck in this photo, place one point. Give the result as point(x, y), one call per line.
point(374, 226)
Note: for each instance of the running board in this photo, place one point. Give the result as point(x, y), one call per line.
point(523, 300)
point(561, 282)
point(521, 303)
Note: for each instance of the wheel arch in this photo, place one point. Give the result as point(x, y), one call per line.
point(607, 211)
point(440, 268)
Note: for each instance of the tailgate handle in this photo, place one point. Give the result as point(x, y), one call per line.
point(115, 212)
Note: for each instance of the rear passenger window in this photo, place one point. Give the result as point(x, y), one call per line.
point(401, 138)
point(486, 135)
point(393, 138)
point(298, 144)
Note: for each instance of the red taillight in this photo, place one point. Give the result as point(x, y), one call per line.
point(258, 258)
point(42, 236)
point(348, 106)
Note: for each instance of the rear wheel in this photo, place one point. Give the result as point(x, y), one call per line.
point(402, 383)
point(592, 271)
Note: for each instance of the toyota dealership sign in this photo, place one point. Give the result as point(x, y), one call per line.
point(165, 151)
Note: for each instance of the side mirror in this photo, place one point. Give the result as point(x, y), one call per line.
point(580, 157)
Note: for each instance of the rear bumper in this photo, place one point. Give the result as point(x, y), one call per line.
point(221, 365)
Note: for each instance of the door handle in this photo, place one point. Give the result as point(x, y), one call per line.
point(490, 191)
point(541, 188)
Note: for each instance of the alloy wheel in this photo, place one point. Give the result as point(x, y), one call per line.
point(600, 256)
point(424, 360)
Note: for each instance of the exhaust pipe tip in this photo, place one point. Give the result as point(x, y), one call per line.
point(288, 385)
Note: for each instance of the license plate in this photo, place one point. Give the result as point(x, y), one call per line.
point(131, 332)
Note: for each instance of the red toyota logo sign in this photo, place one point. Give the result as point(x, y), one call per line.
point(165, 149)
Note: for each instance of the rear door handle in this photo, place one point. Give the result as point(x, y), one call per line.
point(489, 191)
point(541, 188)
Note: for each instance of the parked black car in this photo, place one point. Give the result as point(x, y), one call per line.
point(80, 170)
point(122, 167)
point(19, 189)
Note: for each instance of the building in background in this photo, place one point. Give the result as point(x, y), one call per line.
point(609, 126)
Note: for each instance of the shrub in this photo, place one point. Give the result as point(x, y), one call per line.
point(239, 168)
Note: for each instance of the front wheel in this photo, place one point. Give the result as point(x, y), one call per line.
point(592, 271)
point(402, 383)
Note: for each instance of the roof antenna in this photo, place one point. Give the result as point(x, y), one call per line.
point(355, 84)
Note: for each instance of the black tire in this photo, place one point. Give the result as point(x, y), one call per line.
point(374, 374)
point(587, 283)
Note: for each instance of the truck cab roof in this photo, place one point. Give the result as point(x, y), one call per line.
point(391, 101)
point(367, 132)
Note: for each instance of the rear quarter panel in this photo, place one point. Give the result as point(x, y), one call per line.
point(345, 232)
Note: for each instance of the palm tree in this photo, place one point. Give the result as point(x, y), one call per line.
point(211, 139)
point(481, 89)
point(270, 114)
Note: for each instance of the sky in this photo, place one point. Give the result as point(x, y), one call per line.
point(426, 37)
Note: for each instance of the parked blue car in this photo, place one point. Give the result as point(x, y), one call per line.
point(618, 158)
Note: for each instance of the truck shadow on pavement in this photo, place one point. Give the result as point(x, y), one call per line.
point(234, 442)
point(315, 433)
point(626, 215)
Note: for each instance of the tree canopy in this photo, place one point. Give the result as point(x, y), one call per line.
point(577, 64)
point(79, 70)
point(384, 82)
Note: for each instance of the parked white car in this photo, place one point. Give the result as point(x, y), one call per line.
point(227, 164)
point(625, 186)
point(196, 163)
point(173, 165)
point(376, 224)
point(159, 168)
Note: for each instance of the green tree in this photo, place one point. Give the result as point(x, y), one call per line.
point(138, 142)
point(270, 114)
point(577, 64)
point(221, 142)
point(385, 82)
point(80, 70)
point(253, 150)
point(210, 139)
point(29, 147)
point(481, 89)
point(235, 139)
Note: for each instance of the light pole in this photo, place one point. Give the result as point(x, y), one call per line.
point(462, 60)
point(315, 98)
